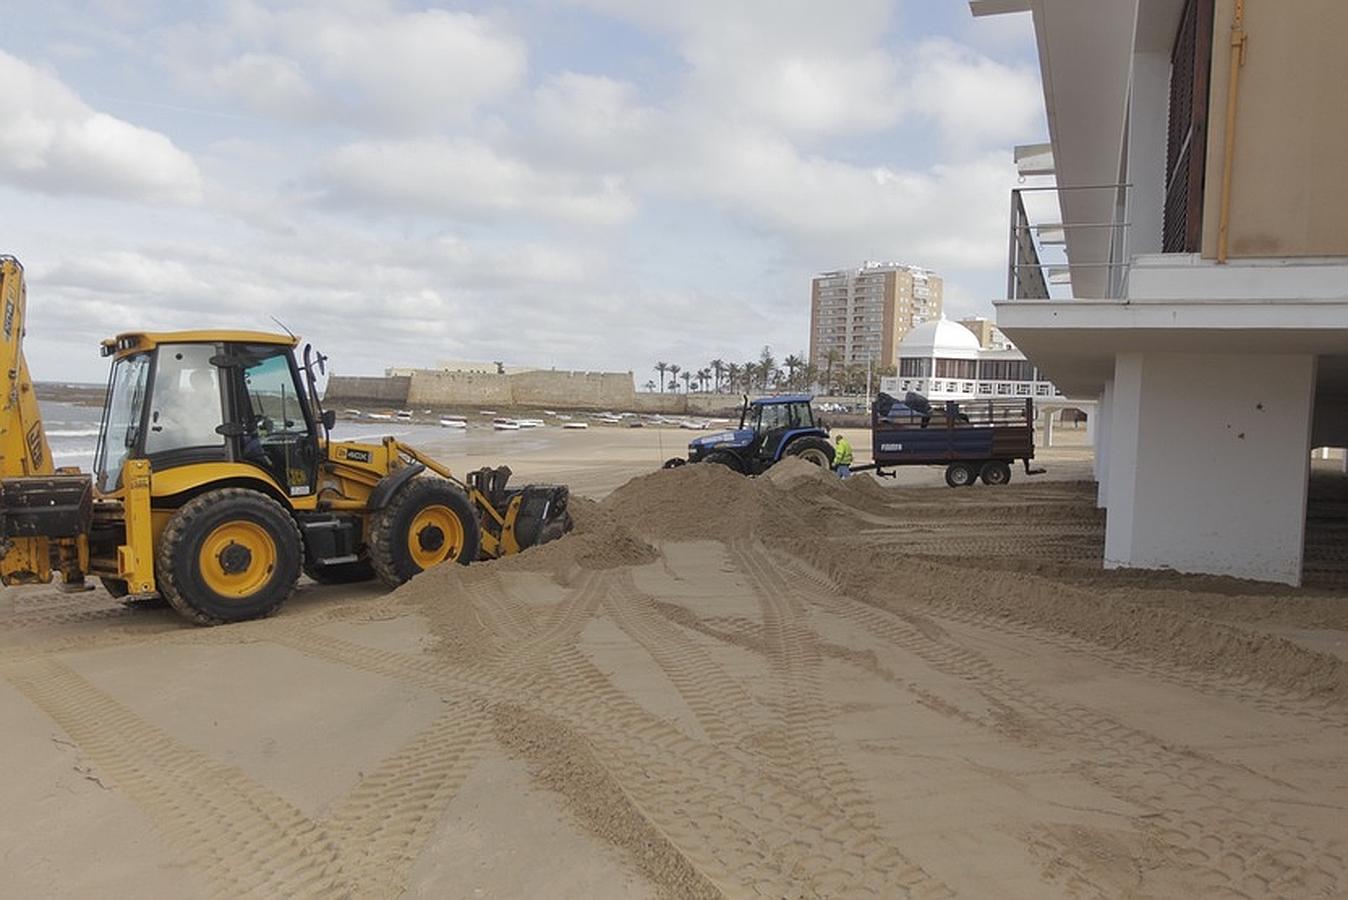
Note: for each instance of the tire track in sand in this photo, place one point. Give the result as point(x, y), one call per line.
point(722, 707)
point(1232, 840)
point(741, 831)
point(248, 841)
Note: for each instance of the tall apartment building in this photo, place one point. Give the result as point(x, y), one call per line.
point(864, 313)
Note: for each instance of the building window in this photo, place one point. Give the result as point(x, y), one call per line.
point(956, 368)
point(915, 368)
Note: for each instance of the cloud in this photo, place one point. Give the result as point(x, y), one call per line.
point(55, 143)
point(972, 98)
point(360, 64)
point(266, 83)
point(464, 177)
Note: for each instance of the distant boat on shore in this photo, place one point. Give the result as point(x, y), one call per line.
point(381, 416)
point(530, 423)
point(505, 424)
point(575, 426)
point(404, 414)
point(453, 422)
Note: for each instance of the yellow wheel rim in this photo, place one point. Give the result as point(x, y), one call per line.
point(237, 559)
point(435, 535)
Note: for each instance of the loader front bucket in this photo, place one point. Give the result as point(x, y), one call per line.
point(540, 516)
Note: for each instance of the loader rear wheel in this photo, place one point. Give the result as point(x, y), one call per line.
point(427, 522)
point(342, 573)
point(229, 555)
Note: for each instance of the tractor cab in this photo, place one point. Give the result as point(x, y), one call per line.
point(772, 419)
point(187, 398)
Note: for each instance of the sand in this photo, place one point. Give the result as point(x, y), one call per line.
point(789, 686)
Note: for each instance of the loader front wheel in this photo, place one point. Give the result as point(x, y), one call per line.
point(427, 522)
point(229, 555)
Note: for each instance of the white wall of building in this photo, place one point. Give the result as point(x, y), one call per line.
point(1208, 463)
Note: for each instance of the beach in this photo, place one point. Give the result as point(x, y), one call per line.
point(789, 686)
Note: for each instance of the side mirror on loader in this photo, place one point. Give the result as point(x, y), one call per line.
point(329, 419)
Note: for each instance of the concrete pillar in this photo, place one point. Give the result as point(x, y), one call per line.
point(1103, 429)
point(1209, 459)
point(1049, 414)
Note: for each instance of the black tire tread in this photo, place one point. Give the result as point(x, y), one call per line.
point(725, 458)
point(179, 527)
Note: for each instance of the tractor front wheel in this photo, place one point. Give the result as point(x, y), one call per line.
point(427, 522)
point(725, 458)
point(228, 555)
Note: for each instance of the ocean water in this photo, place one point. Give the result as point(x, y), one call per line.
point(72, 432)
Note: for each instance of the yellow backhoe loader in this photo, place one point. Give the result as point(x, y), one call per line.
point(216, 481)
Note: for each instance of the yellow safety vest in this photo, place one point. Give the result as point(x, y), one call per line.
point(842, 454)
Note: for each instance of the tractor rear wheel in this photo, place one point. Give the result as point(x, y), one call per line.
point(228, 555)
point(342, 573)
point(427, 522)
point(813, 450)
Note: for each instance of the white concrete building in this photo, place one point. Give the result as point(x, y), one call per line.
point(1189, 269)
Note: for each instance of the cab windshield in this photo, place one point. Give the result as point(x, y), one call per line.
point(122, 412)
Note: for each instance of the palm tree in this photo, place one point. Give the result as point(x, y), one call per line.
point(750, 370)
point(650, 386)
point(831, 359)
point(732, 375)
point(687, 377)
point(810, 375)
point(674, 371)
point(662, 368)
point(766, 363)
point(703, 376)
point(792, 363)
point(718, 367)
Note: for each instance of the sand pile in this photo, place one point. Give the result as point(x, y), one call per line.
point(803, 511)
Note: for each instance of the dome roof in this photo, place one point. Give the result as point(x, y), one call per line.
point(939, 337)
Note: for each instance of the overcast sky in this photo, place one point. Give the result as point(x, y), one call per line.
point(596, 183)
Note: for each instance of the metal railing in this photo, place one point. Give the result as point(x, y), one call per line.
point(1038, 255)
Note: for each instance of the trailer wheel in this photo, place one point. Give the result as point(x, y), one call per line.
point(960, 475)
point(674, 462)
point(725, 458)
point(813, 450)
point(996, 472)
point(428, 521)
point(229, 555)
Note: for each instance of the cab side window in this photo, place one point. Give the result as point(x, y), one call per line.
point(185, 404)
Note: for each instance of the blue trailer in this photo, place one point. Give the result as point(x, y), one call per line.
point(973, 439)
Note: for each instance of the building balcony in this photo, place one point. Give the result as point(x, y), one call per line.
point(1067, 242)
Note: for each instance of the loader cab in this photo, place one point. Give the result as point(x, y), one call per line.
point(185, 398)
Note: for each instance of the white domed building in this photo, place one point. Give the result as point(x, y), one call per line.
point(942, 360)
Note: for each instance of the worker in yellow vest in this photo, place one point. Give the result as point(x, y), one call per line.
point(842, 456)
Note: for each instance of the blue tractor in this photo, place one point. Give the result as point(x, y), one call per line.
point(770, 428)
